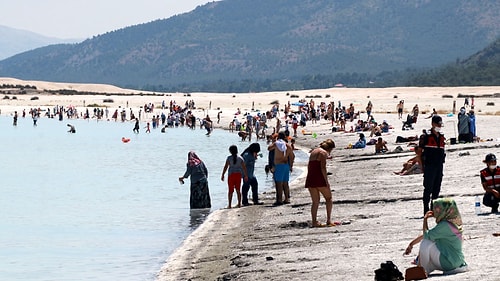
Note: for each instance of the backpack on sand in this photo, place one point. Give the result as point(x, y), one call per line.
point(388, 271)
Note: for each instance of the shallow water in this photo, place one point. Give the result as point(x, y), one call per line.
point(86, 206)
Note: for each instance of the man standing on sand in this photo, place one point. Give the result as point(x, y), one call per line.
point(431, 155)
point(283, 165)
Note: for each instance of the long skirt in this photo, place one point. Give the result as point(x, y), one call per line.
point(200, 195)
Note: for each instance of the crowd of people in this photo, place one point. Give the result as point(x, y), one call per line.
point(440, 246)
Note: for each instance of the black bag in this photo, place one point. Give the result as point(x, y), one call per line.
point(388, 271)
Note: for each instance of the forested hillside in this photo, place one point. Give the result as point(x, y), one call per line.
point(255, 45)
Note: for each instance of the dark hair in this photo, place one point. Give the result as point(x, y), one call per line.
point(281, 136)
point(233, 149)
point(252, 148)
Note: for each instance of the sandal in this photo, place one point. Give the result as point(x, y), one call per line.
point(335, 223)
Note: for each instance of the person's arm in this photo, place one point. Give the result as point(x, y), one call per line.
point(291, 157)
point(244, 168)
point(205, 170)
point(186, 174)
point(324, 155)
point(419, 151)
point(425, 226)
point(491, 190)
point(224, 170)
point(271, 146)
point(413, 243)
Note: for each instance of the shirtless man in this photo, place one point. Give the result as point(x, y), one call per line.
point(283, 163)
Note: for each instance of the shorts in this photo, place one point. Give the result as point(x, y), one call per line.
point(281, 173)
point(234, 181)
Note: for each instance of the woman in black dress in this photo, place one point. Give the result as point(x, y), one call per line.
point(200, 195)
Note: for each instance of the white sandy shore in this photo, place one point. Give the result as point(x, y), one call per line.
point(384, 210)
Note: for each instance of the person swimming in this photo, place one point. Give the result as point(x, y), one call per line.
point(71, 129)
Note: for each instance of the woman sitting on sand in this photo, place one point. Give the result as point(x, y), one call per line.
point(317, 181)
point(441, 246)
point(411, 167)
point(361, 143)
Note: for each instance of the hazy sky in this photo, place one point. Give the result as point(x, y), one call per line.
point(85, 18)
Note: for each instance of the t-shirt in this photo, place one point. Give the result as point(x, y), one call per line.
point(235, 167)
point(249, 163)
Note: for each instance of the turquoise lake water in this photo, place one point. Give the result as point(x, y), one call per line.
point(86, 206)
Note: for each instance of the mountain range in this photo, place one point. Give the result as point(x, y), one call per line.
point(279, 40)
point(14, 41)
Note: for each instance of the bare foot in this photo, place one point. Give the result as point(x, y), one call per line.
point(317, 224)
point(228, 207)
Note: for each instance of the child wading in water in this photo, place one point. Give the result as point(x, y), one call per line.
point(237, 168)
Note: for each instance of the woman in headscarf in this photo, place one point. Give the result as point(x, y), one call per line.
point(200, 195)
point(441, 246)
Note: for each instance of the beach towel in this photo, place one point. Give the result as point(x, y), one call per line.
point(281, 146)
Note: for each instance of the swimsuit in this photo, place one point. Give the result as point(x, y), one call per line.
point(314, 177)
point(281, 172)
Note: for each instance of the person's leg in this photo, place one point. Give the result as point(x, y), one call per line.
point(314, 206)
point(229, 197)
point(231, 186)
point(429, 176)
point(244, 192)
point(286, 179)
point(490, 200)
point(428, 256)
point(234, 181)
point(327, 193)
point(238, 194)
point(255, 190)
point(279, 176)
point(436, 185)
point(279, 193)
point(286, 192)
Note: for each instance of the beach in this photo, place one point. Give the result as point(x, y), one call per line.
point(381, 212)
